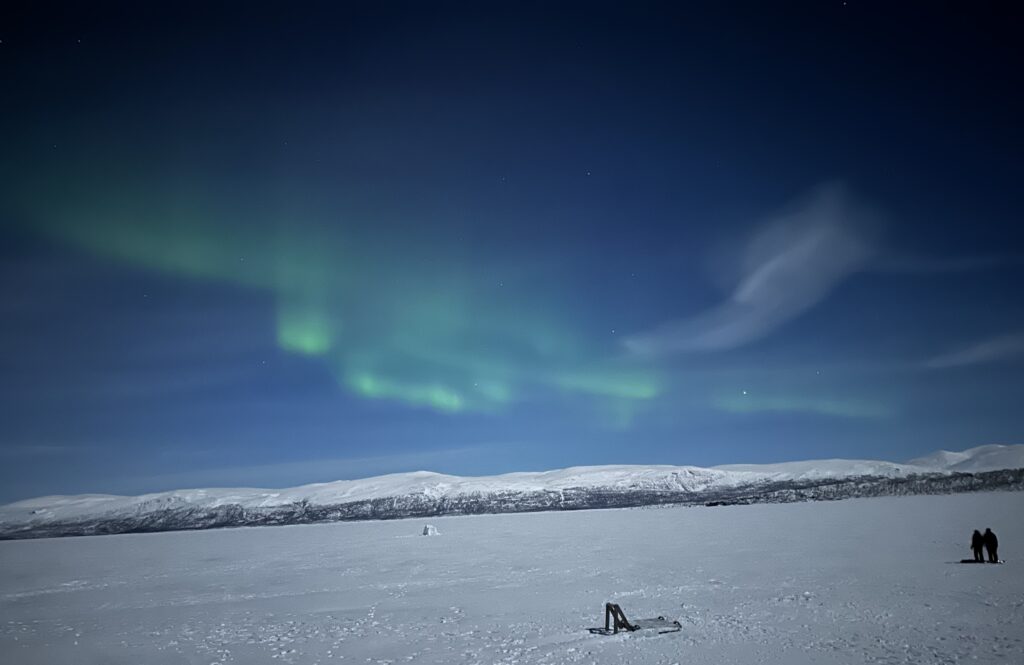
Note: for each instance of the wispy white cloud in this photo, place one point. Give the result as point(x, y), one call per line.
point(990, 350)
point(925, 265)
point(791, 264)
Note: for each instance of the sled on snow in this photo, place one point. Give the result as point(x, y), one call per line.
point(615, 620)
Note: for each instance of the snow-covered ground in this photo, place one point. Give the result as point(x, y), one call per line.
point(857, 581)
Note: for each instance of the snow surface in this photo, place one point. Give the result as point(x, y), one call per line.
point(830, 468)
point(434, 485)
point(857, 581)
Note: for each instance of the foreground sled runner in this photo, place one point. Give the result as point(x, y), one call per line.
point(615, 620)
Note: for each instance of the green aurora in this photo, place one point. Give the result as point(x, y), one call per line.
point(391, 311)
point(400, 322)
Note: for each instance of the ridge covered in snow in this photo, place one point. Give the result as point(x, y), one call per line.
point(424, 493)
point(982, 458)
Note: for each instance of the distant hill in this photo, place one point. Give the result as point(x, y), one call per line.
point(982, 458)
point(424, 493)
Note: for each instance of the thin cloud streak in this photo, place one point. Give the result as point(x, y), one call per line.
point(790, 265)
point(991, 350)
point(922, 265)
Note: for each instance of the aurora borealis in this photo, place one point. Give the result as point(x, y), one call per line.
point(323, 242)
point(420, 327)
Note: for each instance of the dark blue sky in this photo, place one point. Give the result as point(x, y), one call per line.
point(270, 246)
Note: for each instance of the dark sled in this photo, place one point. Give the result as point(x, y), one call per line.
point(615, 620)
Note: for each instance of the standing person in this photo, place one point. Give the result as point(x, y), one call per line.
point(992, 545)
point(977, 543)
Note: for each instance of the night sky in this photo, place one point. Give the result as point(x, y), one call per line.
point(268, 246)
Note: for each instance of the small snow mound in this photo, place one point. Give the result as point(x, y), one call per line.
point(430, 530)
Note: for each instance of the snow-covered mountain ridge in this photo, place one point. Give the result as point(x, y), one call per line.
point(424, 493)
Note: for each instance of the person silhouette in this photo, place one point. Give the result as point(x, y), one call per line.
point(992, 545)
point(977, 543)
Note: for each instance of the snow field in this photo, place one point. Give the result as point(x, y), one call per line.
point(857, 581)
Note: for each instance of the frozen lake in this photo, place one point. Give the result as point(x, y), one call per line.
point(857, 581)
